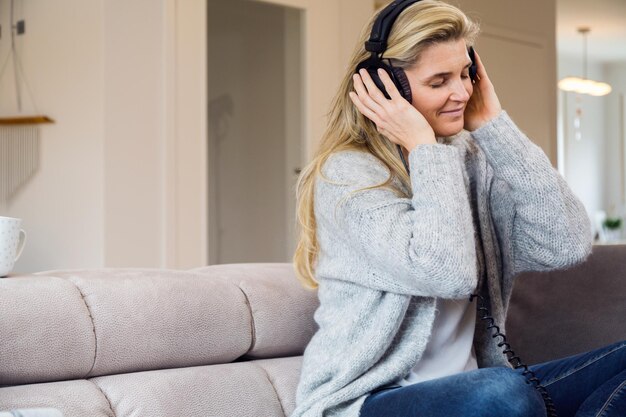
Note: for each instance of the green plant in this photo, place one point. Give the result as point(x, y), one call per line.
point(612, 223)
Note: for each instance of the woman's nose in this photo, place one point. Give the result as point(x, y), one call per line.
point(459, 91)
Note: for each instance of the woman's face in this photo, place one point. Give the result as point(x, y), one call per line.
point(441, 85)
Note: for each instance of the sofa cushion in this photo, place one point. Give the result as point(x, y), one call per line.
point(282, 310)
point(284, 374)
point(118, 320)
point(243, 389)
point(154, 319)
point(237, 389)
point(46, 332)
point(32, 412)
point(561, 313)
point(77, 398)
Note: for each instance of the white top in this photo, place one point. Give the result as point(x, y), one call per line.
point(450, 349)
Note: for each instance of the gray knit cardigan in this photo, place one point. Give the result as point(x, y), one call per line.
point(485, 206)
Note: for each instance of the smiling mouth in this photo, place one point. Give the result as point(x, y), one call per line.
point(453, 111)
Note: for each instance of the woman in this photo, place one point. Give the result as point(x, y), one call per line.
point(396, 254)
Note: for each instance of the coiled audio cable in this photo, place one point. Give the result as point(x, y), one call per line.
point(511, 357)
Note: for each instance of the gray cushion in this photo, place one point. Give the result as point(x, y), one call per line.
point(561, 313)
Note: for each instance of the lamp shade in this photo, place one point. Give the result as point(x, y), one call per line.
point(584, 86)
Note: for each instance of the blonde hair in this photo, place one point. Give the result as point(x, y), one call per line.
point(418, 26)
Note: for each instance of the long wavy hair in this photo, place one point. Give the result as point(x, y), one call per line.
point(418, 26)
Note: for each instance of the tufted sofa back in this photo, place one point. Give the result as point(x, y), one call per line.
point(219, 340)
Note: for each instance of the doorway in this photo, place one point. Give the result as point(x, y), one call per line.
point(255, 129)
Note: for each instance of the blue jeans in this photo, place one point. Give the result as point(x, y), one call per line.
point(591, 384)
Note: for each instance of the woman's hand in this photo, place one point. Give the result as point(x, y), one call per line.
point(396, 118)
point(484, 104)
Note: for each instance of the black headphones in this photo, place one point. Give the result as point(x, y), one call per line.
point(377, 44)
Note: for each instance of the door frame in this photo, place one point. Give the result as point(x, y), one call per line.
point(330, 29)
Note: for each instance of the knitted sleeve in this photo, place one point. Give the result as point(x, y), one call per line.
point(419, 246)
point(546, 224)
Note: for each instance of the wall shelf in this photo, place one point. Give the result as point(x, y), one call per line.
point(25, 120)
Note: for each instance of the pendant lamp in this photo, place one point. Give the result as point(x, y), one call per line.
point(584, 85)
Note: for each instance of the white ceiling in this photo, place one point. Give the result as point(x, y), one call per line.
point(607, 19)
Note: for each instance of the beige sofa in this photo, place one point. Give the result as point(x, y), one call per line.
point(217, 341)
point(226, 340)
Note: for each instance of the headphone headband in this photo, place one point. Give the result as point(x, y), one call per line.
point(377, 44)
point(382, 26)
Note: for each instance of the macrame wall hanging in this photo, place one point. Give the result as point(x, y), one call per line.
point(19, 132)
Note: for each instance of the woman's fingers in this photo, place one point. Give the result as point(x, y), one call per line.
point(372, 88)
point(364, 93)
point(393, 117)
point(484, 104)
point(356, 99)
point(480, 68)
point(369, 91)
point(371, 97)
point(391, 88)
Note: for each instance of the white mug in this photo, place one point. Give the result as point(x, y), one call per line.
point(12, 241)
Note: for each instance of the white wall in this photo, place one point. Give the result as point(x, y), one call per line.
point(583, 162)
point(63, 204)
point(615, 74)
point(518, 46)
point(133, 95)
point(97, 68)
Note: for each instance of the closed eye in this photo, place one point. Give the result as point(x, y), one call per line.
point(437, 85)
point(464, 75)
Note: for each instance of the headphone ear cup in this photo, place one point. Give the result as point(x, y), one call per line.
point(397, 75)
point(473, 69)
point(402, 83)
